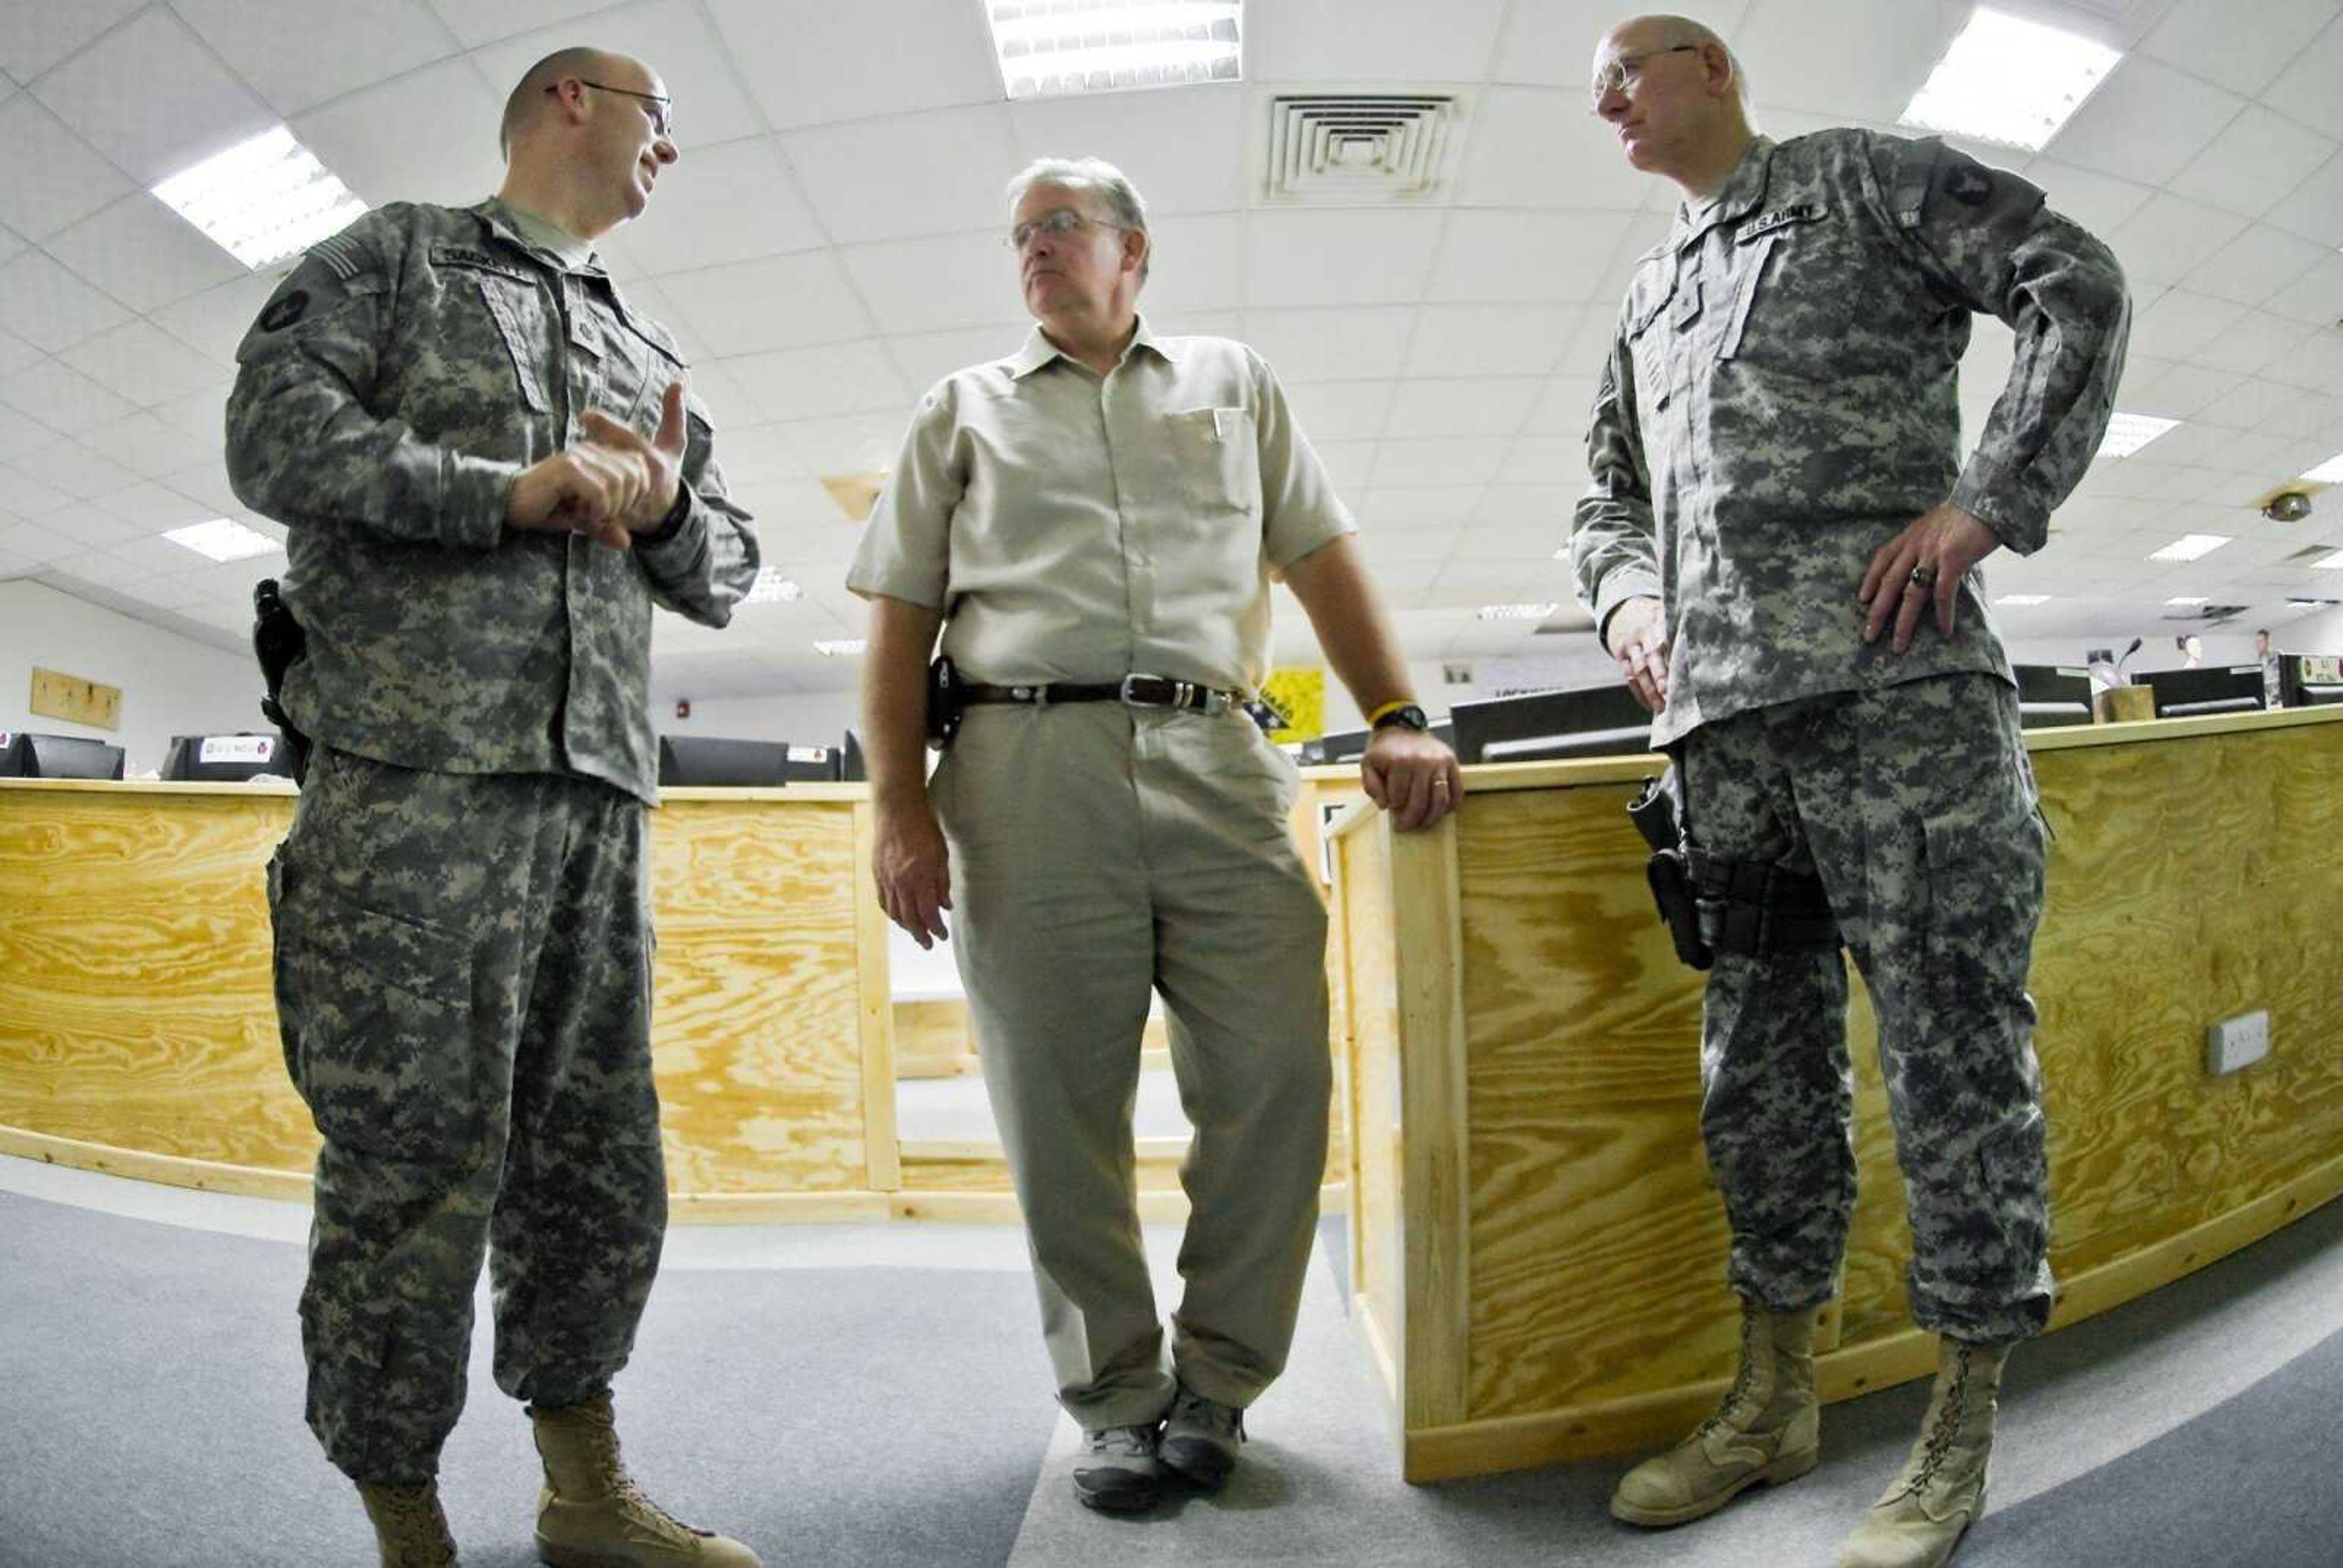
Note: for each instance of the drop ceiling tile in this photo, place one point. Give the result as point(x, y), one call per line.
point(964, 280)
point(2314, 209)
point(729, 202)
point(927, 357)
point(456, 163)
point(188, 106)
point(1296, 260)
point(51, 180)
point(144, 253)
point(474, 24)
point(816, 383)
point(21, 433)
point(1182, 148)
point(2170, 237)
point(1509, 257)
point(2145, 123)
point(1197, 265)
point(62, 398)
point(854, 444)
point(215, 321)
point(1545, 461)
point(1565, 407)
point(2257, 341)
point(1337, 344)
point(2316, 298)
point(1545, 505)
point(2099, 202)
point(1434, 511)
point(810, 62)
point(1470, 406)
point(146, 445)
point(911, 174)
point(1845, 58)
point(142, 363)
point(34, 34)
point(1438, 461)
point(298, 53)
point(2254, 162)
point(1532, 147)
point(1379, 41)
point(1553, 43)
point(1491, 339)
point(783, 302)
point(2305, 88)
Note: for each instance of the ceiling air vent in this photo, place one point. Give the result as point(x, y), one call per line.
point(2313, 553)
point(1361, 149)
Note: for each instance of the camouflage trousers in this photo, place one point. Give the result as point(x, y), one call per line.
point(463, 982)
point(1915, 805)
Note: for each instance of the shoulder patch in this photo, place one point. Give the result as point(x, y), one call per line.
point(285, 310)
point(1969, 185)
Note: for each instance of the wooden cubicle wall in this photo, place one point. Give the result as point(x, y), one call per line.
point(138, 1027)
point(1539, 1252)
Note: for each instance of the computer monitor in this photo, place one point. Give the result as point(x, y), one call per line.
point(23, 755)
point(225, 759)
point(851, 769)
point(2310, 679)
point(1584, 721)
point(2184, 693)
point(696, 761)
point(2052, 693)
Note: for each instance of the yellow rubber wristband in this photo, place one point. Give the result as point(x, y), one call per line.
point(1394, 706)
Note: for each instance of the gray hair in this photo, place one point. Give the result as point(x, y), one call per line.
point(1124, 206)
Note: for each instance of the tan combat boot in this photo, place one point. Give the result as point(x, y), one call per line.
point(1942, 1490)
point(408, 1525)
point(1768, 1429)
point(592, 1514)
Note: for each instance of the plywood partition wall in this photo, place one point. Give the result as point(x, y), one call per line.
point(139, 1031)
point(1570, 1301)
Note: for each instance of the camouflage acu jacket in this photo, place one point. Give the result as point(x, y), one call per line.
point(1779, 402)
point(394, 385)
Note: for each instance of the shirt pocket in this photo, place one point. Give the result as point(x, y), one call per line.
point(1652, 332)
point(1773, 322)
point(637, 369)
point(497, 312)
point(1218, 454)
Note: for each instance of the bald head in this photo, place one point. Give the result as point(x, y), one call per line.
point(531, 100)
point(1644, 34)
point(1672, 94)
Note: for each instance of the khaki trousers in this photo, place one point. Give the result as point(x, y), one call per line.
point(1099, 852)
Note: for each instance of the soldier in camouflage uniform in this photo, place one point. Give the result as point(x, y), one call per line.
point(1777, 408)
point(491, 471)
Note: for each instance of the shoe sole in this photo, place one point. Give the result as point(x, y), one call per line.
point(1780, 1473)
point(1200, 1463)
point(1116, 1502)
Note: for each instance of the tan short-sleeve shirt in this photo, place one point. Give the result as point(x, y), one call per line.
point(1080, 527)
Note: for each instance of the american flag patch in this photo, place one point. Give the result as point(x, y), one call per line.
point(340, 255)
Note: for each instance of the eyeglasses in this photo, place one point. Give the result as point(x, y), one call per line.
point(662, 117)
point(1615, 77)
point(1057, 224)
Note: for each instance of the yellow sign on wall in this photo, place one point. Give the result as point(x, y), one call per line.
point(1300, 694)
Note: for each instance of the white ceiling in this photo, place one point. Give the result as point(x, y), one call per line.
point(826, 249)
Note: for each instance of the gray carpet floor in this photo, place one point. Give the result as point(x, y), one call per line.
point(878, 1396)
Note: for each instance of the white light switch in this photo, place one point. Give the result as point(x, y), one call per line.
point(2237, 1043)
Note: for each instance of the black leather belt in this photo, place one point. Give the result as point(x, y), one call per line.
point(1131, 692)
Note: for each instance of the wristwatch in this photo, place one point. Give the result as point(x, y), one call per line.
point(1407, 715)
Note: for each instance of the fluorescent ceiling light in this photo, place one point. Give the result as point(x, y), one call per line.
point(1050, 48)
point(222, 539)
point(2330, 472)
point(2023, 598)
point(264, 199)
point(2127, 433)
point(2009, 80)
point(2187, 600)
point(2333, 563)
point(772, 588)
point(2188, 547)
point(1517, 611)
point(841, 646)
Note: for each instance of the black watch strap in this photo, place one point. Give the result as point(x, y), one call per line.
point(1407, 715)
point(677, 515)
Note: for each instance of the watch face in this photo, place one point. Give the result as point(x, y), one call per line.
point(1408, 718)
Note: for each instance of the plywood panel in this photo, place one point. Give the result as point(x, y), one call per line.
point(1370, 985)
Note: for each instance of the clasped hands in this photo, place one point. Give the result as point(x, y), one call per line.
point(609, 487)
point(1921, 566)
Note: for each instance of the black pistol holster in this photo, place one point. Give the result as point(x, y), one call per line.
point(1749, 909)
point(944, 703)
point(278, 642)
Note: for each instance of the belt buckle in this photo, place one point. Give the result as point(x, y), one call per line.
point(1148, 691)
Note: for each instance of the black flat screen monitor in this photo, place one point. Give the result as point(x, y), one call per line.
point(2052, 693)
point(704, 760)
point(225, 759)
point(2310, 679)
point(1585, 721)
point(29, 755)
point(851, 769)
point(2223, 688)
point(1340, 745)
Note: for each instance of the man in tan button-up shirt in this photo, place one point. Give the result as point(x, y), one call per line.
point(1105, 504)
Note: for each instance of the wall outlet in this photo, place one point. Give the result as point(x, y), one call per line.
point(2237, 1043)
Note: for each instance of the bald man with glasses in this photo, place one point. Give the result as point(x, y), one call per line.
point(1781, 547)
point(491, 471)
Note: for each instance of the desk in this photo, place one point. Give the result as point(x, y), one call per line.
point(1538, 1253)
